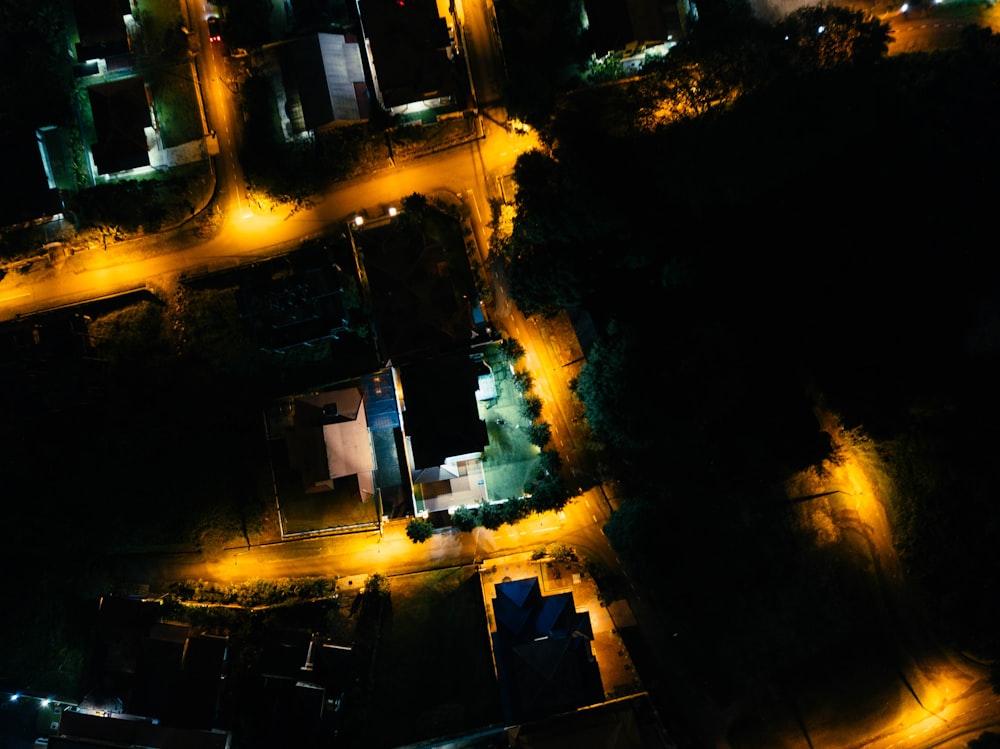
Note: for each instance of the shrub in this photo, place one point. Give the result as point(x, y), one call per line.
point(524, 380)
point(532, 406)
point(491, 516)
point(465, 519)
point(512, 349)
point(540, 433)
point(418, 530)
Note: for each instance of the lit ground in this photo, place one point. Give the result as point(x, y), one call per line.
point(897, 686)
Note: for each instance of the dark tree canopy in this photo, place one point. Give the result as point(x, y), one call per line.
point(808, 234)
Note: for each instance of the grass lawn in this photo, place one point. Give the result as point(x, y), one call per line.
point(340, 507)
point(510, 458)
point(433, 668)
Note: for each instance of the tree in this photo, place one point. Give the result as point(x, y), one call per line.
point(531, 404)
point(491, 516)
point(540, 433)
point(547, 489)
point(824, 36)
point(515, 509)
point(378, 585)
point(465, 519)
point(512, 349)
point(419, 530)
point(524, 380)
point(415, 203)
point(602, 387)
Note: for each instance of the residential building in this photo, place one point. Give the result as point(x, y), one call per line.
point(411, 50)
point(80, 729)
point(542, 651)
point(103, 33)
point(148, 682)
point(323, 462)
point(26, 164)
point(632, 29)
point(293, 307)
point(444, 433)
point(322, 82)
point(123, 122)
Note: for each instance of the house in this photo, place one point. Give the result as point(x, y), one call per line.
point(542, 652)
point(631, 29)
point(423, 290)
point(26, 165)
point(288, 310)
point(121, 112)
point(443, 431)
point(82, 729)
point(103, 33)
point(180, 676)
point(148, 682)
point(322, 81)
point(323, 461)
point(410, 52)
point(304, 679)
point(329, 440)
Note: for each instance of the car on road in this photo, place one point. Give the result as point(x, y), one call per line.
point(214, 29)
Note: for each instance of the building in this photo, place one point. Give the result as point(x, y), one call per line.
point(632, 29)
point(444, 433)
point(304, 679)
point(80, 729)
point(121, 112)
point(102, 33)
point(542, 651)
point(286, 310)
point(147, 682)
point(323, 446)
point(26, 164)
point(322, 82)
point(410, 49)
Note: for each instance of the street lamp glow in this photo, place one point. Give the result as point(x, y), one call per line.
point(45, 702)
point(359, 220)
point(392, 210)
point(13, 697)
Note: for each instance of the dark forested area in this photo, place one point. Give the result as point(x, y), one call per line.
point(762, 226)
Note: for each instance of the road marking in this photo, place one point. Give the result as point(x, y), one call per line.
point(15, 296)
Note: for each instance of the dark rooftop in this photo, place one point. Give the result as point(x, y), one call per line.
point(121, 114)
point(302, 308)
point(542, 648)
point(101, 28)
point(441, 416)
point(22, 164)
point(409, 43)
